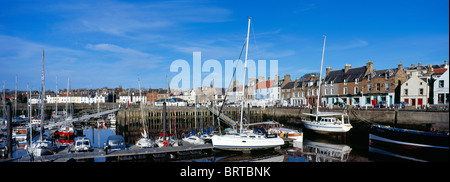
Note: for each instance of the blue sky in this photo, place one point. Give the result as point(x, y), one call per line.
point(109, 43)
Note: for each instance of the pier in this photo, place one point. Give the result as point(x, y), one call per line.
point(131, 153)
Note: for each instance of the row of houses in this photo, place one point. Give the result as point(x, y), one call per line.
point(364, 86)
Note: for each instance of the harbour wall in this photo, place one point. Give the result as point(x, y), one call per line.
point(130, 123)
point(411, 119)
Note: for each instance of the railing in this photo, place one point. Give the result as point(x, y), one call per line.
point(224, 117)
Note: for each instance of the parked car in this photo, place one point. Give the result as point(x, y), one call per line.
point(400, 105)
point(381, 104)
point(113, 143)
point(82, 144)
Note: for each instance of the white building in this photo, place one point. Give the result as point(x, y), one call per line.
point(415, 91)
point(441, 89)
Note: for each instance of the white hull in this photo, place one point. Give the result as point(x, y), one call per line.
point(320, 127)
point(194, 140)
point(245, 142)
point(144, 143)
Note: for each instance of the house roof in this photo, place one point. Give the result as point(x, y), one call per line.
point(338, 76)
point(288, 85)
point(264, 84)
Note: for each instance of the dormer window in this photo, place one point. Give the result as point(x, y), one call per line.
point(345, 81)
point(331, 83)
point(387, 76)
point(356, 81)
point(370, 77)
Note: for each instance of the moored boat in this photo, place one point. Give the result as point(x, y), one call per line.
point(328, 122)
point(419, 145)
point(408, 138)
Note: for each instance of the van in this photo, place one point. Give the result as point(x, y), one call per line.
point(113, 143)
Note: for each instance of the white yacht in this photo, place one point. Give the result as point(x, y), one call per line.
point(145, 142)
point(256, 140)
point(194, 140)
point(328, 122)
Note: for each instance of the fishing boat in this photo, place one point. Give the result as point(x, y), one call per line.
point(243, 141)
point(65, 131)
point(19, 135)
point(329, 122)
point(412, 143)
point(326, 122)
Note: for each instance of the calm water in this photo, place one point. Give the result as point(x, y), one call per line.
point(351, 147)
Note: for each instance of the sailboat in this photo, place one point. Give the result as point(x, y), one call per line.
point(241, 141)
point(43, 145)
point(328, 122)
point(145, 141)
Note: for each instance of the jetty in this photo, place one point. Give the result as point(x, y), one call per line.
point(130, 153)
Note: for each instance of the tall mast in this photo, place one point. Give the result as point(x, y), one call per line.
point(3, 97)
point(67, 98)
point(42, 96)
point(56, 96)
point(15, 99)
point(243, 81)
point(140, 104)
point(320, 77)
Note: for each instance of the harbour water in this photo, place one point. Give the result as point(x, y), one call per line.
point(350, 147)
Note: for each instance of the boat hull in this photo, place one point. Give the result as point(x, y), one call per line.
point(415, 144)
point(327, 128)
point(237, 143)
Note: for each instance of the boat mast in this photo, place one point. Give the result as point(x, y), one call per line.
point(56, 96)
point(243, 81)
point(320, 77)
point(42, 96)
point(140, 104)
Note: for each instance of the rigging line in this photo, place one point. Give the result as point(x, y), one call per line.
point(254, 38)
point(231, 81)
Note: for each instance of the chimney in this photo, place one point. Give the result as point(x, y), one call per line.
point(400, 66)
point(268, 78)
point(328, 70)
point(445, 64)
point(347, 67)
point(412, 65)
point(420, 64)
point(277, 77)
point(287, 78)
point(369, 67)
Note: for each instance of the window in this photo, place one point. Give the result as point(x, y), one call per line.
point(331, 91)
point(421, 91)
point(378, 87)
point(356, 90)
point(345, 90)
point(369, 87)
point(356, 81)
point(345, 81)
point(326, 91)
point(387, 86)
point(406, 91)
point(370, 77)
point(441, 83)
point(387, 76)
